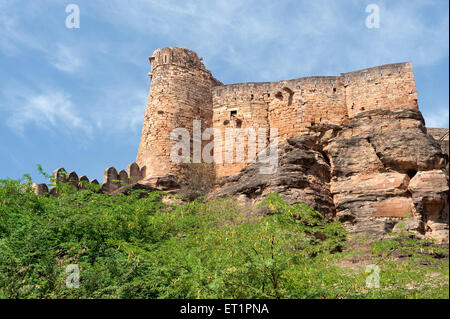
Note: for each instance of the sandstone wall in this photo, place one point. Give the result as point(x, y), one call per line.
point(290, 106)
point(293, 106)
point(386, 87)
point(183, 90)
point(180, 92)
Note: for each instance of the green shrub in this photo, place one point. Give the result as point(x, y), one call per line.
point(138, 247)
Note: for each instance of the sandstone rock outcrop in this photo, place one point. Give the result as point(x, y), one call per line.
point(373, 160)
point(377, 170)
point(303, 175)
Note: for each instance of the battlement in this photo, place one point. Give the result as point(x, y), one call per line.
point(377, 72)
point(176, 56)
point(183, 90)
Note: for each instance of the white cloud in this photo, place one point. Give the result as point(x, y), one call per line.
point(244, 41)
point(53, 111)
point(16, 39)
point(266, 40)
point(66, 59)
point(437, 118)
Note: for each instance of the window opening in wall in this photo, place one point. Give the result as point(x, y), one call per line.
point(233, 113)
point(381, 71)
point(267, 88)
point(348, 78)
point(299, 84)
point(279, 95)
point(235, 90)
point(332, 82)
point(365, 74)
point(251, 97)
point(165, 59)
point(362, 108)
point(398, 69)
point(226, 122)
point(334, 90)
point(315, 82)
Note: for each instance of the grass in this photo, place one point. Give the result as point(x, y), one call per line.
point(138, 247)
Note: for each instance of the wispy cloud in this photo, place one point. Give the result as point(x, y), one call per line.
point(66, 59)
point(53, 111)
point(17, 38)
point(436, 118)
point(258, 39)
point(241, 41)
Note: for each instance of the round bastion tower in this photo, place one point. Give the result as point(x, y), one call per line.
point(180, 92)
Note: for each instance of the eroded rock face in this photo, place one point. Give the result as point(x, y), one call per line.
point(303, 175)
point(430, 193)
point(379, 168)
point(385, 167)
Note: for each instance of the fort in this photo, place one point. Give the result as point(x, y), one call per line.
point(183, 90)
point(353, 146)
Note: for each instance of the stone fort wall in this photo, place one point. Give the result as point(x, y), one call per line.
point(183, 90)
point(180, 92)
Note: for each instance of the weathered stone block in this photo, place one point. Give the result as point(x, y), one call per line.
point(123, 177)
point(60, 175)
point(73, 179)
point(40, 189)
point(110, 180)
point(394, 207)
point(134, 173)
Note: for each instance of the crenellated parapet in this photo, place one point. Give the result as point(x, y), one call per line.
point(112, 180)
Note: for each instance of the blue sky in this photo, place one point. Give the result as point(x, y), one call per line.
point(75, 98)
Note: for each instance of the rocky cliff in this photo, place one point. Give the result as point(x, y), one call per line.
point(378, 168)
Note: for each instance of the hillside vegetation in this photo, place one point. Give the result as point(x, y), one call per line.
point(138, 246)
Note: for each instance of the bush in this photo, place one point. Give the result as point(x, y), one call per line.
point(138, 247)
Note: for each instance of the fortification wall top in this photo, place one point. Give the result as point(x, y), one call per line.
point(377, 71)
point(316, 81)
point(267, 87)
point(176, 56)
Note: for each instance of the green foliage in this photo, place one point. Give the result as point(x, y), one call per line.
point(138, 247)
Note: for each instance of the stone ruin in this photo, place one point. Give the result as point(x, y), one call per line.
point(112, 180)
